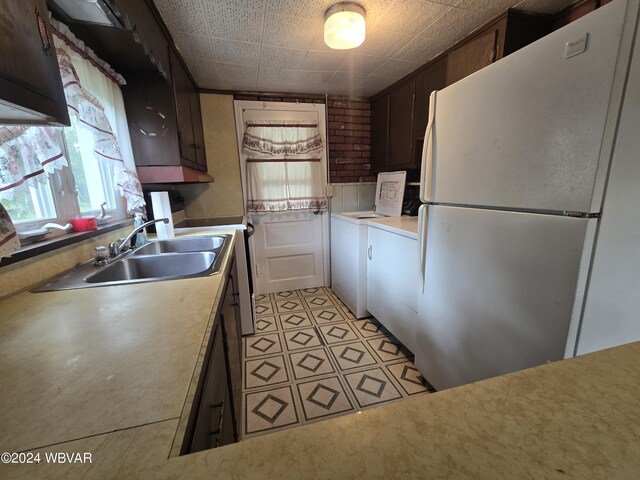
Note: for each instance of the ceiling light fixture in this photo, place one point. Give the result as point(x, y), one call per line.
point(344, 26)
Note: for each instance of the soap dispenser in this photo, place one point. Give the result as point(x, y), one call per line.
point(141, 236)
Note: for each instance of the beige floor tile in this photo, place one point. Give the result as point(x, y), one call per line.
point(323, 398)
point(389, 349)
point(369, 328)
point(303, 338)
point(266, 323)
point(285, 295)
point(295, 320)
point(258, 345)
point(264, 308)
point(352, 355)
point(290, 305)
point(408, 376)
point(265, 372)
point(269, 410)
point(319, 301)
point(371, 387)
point(338, 333)
point(311, 363)
point(327, 315)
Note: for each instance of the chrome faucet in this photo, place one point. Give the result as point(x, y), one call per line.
point(115, 248)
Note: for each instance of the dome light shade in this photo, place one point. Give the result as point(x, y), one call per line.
point(344, 26)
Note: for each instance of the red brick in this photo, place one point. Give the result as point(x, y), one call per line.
point(336, 111)
point(338, 126)
point(336, 139)
point(360, 146)
point(339, 104)
point(352, 154)
point(343, 146)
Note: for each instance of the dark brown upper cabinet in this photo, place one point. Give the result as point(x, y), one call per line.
point(503, 36)
point(164, 118)
point(30, 86)
point(401, 102)
point(399, 114)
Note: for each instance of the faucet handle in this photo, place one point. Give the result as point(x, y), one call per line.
point(101, 254)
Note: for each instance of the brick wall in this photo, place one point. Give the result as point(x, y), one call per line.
point(349, 131)
point(349, 141)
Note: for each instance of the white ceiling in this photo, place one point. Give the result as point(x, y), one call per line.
point(278, 45)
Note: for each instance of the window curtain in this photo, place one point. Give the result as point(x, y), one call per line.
point(284, 167)
point(28, 152)
point(93, 94)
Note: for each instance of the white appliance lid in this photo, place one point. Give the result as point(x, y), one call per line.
point(389, 193)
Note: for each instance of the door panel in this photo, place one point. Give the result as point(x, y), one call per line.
point(288, 251)
point(537, 128)
point(499, 292)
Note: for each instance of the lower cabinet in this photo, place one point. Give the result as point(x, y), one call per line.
point(393, 282)
point(216, 411)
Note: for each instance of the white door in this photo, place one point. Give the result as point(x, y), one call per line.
point(289, 250)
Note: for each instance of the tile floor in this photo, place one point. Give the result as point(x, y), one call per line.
point(310, 359)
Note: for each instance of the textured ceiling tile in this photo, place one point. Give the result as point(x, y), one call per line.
point(351, 79)
point(239, 73)
point(361, 64)
point(422, 48)
point(545, 6)
point(455, 25)
point(292, 23)
point(240, 85)
point(411, 16)
point(275, 74)
point(494, 7)
point(235, 19)
point(186, 16)
point(240, 53)
point(194, 48)
point(313, 77)
point(324, 60)
point(282, 57)
point(383, 43)
point(395, 67)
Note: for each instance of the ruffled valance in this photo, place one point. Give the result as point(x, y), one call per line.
point(282, 138)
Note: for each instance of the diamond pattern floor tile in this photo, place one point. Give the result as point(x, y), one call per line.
point(265, 371)
point(389, 349)
point(310, 363)
point(295, 320)
point(303, 338)
point(327, 315)
point(269, 410)
point(257, 345)
point(323, 398)
point(409, 377)
point(371, 387)
point(266, 323)
point(352, 355)
point(337, 333)
point(311, 359)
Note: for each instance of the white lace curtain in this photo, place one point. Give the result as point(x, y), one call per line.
point(93, 95)
point(284, 166)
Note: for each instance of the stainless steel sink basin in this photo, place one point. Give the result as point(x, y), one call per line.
point(181, 245)
point(171, 265)
point(158, 260)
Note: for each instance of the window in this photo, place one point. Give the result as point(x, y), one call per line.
point(78, 189)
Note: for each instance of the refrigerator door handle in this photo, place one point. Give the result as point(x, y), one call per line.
point(422, 243)
point(427, 152)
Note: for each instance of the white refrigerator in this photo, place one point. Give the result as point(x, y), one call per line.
point(516, 176)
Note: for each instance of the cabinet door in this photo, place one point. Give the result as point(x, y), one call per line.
point(183, 88)
point(213, 405)
point(400, 127)
point(480, 51)
point(392, 283)
point(198, 133)
point(232, 342)
point(379, 134)
point(30, 85)
point(432, 78)
point(152, 119)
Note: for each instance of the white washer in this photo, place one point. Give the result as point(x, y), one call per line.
point(349, 242)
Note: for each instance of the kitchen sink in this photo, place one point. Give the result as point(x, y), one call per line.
point(169, 259)
point(181, 245)
point(170, 265)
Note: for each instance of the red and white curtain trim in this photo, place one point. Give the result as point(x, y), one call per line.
point(284, 168)
point(90, 113)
